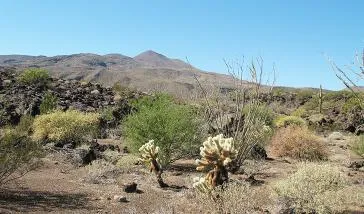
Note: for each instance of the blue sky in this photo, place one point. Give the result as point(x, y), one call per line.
point(294, 35)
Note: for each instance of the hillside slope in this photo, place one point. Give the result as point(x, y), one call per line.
point(146, 71)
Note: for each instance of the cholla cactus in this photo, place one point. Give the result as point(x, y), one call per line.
point(217, 152)
point(149, 155)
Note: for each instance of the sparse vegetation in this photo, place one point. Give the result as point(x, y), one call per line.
point(101, 172)
point(63, 127)
point(299, 143)
point(174, 127)
point(18, 154)
point(36, 76)
point(285, 121)
point(358, 145)
point(236, 197)
point(48, 104)
point(312, 189)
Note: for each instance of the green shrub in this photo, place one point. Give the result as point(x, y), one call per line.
point(174, 127)
point(62, 127)
point(48, 104)
point(261, 111)
point(358, 146)
point(300, 112)
point(352, 104)
point(285, 121)
point(312, 189)
point(18, 155)
point(25, 124)
point(34, 76)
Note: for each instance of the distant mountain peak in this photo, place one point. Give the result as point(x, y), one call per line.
point(149, 54)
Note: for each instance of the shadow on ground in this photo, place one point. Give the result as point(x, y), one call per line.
point(28, 201)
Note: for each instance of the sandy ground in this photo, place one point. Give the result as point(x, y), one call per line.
point(58, 187)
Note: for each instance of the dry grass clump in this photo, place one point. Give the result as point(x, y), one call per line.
point(237, 197)
point(314, 188)
point(101, 172)
point(299, 143)
point(358, 145)
point(127, 162)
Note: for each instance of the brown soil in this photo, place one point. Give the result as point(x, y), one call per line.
point(57, 187)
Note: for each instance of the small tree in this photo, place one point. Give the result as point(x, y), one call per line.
point(174, 127)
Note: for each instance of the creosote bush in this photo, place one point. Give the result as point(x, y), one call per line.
point(63, 127)
point(174, 127)
point(37, 76)
point(299, 143)
point(312, 189)
point(285, 121)
point(18, 154)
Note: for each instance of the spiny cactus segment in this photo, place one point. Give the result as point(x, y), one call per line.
point(149, 155)
point(217, 152)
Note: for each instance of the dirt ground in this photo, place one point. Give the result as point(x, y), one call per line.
point(58, 186)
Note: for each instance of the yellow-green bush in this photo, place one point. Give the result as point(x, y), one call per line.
point(34, 76)
point(300, 112)
point(313, 188)
point(285, 121)
point(68, 126)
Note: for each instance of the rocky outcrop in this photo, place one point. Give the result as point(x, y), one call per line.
point(17, 99)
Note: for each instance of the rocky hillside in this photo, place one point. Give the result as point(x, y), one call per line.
point(17, 99)
point(146, 71)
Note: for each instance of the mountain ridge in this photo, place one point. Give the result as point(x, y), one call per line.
point(148, 70)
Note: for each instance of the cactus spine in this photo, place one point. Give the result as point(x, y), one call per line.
point(149, 155)
point(217, 152)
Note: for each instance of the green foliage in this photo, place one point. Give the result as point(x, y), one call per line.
point(174, 127)
point(312, 189)
point(353, 103)
point(25, 124)
point(262, 112)
point(358, 145)
point(122, 91)
point(69, 126)
point(48, 104)
point(107, 114)
point(18, 154)
point(34, 76)
point(285, 121)
point(300, 112)
point(305, 95)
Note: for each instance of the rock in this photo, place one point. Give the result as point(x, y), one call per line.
point(120, 198)
point(336, 136)
point(356, 164)
point(130, 187)
point(359, 130)
point(7, 82)
point(95, 92)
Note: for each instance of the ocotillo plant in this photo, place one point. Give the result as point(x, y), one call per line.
point(149, 155)
point(320, 99)
point(217, 152)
